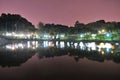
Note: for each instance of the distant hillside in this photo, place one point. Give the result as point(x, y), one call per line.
point(14, 22)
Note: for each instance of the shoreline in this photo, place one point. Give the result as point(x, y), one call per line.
point(4, 40)
point(24, 40)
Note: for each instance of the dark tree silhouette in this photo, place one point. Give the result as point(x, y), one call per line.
point(14, 22)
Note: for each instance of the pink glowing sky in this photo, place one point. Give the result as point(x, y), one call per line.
point(64, 12)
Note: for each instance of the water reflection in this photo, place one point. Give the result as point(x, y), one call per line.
point(18, 53)
point(15, 54)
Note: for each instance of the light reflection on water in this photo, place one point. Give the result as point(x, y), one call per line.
point(87, 46)
point(43, 59)
point(100, 50)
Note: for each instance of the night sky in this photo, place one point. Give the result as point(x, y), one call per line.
point(64, 12)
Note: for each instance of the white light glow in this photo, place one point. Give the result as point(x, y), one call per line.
point(50, 44)
point(81, 45)
point(57, 43)
point(102, 45)
point(45, 43)
point(62, 35)
point(62, 44)
point(108, 45)
point(75, 44)
point(28, 44)
point(68, 44)
point(8, 34)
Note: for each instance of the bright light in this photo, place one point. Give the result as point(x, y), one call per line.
point(93, 36)
point(20, 45)
point(71, 43)
point(52, 37)
point(81, 35)
point(18, 35)
point(8, 46)
point(116, 43)
point(112, 52)
point(8, 34)
point(108, 45)
point(99, 32)
point(33, 42)
point(81, 45)
point(11, 47)
point(103, 52)
point(68, 44)
point(50, 44)
point(28, 44)
point(45, 36)
point(36, 44)
point(103, 30)
point(91, 45)
point(107, 49)
point(45, 43)
point(21, 35)
point(57, 43)
point(75, 44)
point(28, 35)
point(33, 47)
point(62, 35)
point(57, 36)
point(62, 44)
point(108, 35)
point(102, 45)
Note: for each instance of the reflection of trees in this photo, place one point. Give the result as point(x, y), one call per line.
point(14, 58)
point(51, 52)
point(78, 54)
point(91, 55)
point(116, 58)
point(17, 57)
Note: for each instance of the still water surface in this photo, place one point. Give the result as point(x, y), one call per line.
point(59, 60)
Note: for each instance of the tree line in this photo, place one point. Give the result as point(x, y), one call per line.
point(15, 22)
point(78, 27)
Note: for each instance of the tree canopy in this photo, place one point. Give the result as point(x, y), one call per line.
point(14, 22)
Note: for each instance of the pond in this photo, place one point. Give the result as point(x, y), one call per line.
point(60, 60)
